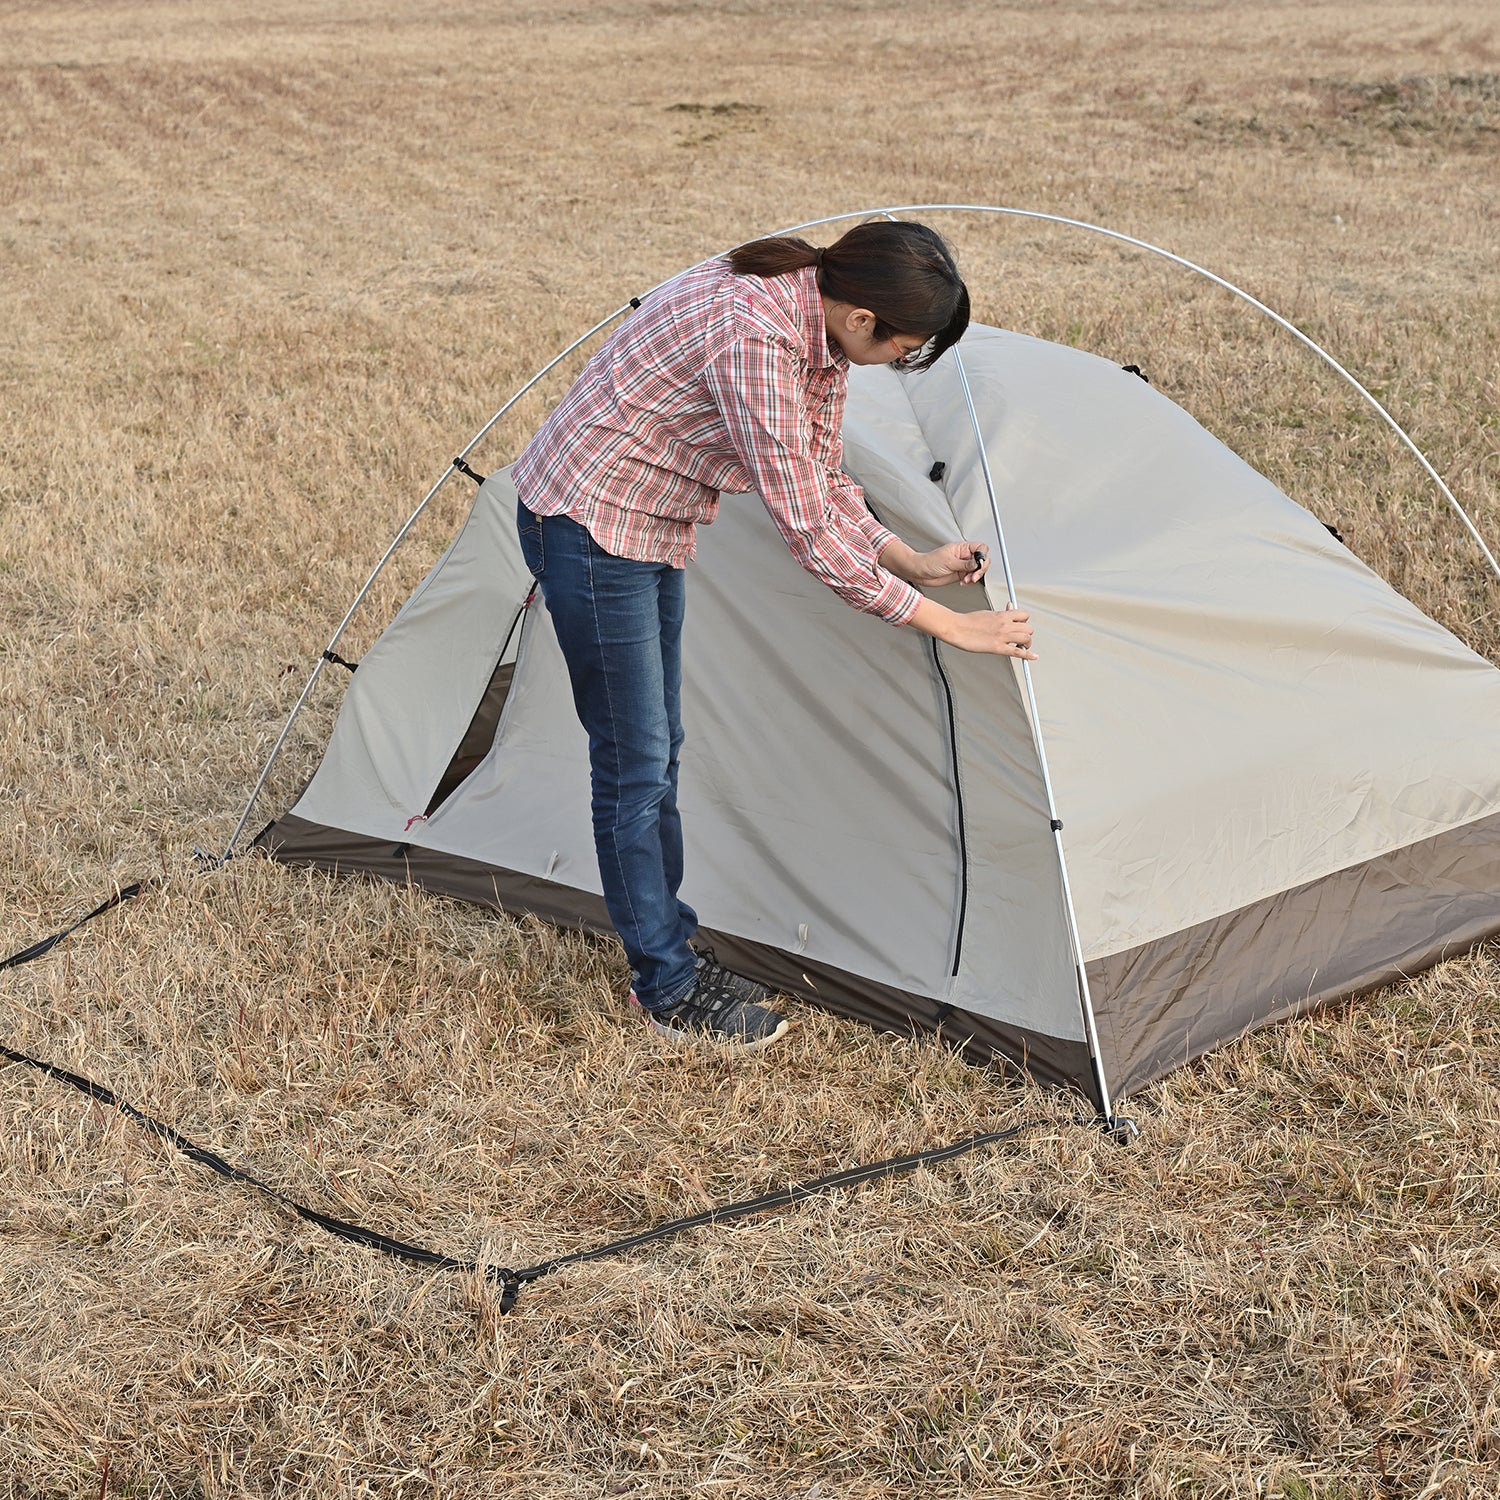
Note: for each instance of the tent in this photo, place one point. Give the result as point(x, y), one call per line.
point(1246, 777)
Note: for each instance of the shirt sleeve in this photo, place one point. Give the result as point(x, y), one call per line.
point(755, 385)
point(826, 418)
point(850, 500)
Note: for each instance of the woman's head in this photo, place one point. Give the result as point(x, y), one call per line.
point(902, 276)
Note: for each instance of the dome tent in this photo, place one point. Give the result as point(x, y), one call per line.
point(1246, 777)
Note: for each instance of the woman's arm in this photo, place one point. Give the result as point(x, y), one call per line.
point(1001, 632)
point(756, 385)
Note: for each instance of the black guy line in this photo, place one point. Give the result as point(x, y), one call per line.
point(510, 1282)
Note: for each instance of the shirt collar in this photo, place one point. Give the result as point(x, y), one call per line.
point(820, 352)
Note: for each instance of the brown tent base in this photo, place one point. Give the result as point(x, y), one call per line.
point(1166, 1002)
point(1343, 935)
point(980, 1038)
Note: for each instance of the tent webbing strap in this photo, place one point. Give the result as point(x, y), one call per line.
point(47, 944)
point(510, 1282)
point(781, 1198)
point(371, 1238)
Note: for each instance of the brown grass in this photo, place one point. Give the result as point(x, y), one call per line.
point(266, 268)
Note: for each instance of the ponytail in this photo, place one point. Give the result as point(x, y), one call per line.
point(778, 256)
point(904, 273)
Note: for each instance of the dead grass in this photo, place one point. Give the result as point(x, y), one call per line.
point(264, 274)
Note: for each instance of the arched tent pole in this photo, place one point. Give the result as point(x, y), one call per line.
point(1075, 940)
point(390, 551)
point(412, 520)
point(865, 213)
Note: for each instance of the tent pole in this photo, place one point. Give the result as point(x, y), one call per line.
point(1079, 968)
point(390, 551)
point(889, 213)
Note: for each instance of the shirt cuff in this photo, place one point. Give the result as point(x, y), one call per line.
point(897, 601)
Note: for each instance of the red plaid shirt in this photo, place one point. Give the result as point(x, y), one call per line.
point(718, 383)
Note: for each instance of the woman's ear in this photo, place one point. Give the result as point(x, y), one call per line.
point(848, 319)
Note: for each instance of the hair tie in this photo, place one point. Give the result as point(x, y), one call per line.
point(818, 257)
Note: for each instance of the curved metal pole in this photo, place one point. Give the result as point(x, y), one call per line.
point(379, 567)
point(889, 212)
point(1085, 997)
point(1034, 717)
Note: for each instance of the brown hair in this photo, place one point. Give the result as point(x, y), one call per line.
point(903, 273)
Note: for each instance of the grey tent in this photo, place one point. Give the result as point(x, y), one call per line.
point(1277, 781)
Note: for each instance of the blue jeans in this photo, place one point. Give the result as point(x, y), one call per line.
point(619, 624)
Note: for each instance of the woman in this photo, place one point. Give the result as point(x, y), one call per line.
point(730, 377)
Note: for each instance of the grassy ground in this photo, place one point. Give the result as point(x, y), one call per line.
point(265, 271)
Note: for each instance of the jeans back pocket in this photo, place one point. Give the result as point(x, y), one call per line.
point(529, 529)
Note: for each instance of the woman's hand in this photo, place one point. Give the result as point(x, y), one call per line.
point(957, 562)
point(998, 632)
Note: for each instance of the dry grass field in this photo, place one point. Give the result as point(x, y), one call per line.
point(263, 269)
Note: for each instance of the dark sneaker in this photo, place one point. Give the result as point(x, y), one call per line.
point(746, 990)
point(721, 1010)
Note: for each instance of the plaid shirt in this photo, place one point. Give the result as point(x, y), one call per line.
point(719, 383)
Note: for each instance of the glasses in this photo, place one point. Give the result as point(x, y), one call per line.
point(905, 356)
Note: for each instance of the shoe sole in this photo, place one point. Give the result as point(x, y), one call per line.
point(703, 1039)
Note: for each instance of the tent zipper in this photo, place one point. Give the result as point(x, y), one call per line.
point(958, 805)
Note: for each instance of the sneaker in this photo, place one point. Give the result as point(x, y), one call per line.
point(721, 1010)
point(746, 990)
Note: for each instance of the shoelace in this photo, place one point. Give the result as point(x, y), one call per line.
point(710, 993)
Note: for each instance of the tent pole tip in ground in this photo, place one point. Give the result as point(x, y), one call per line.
point(1122, 1130)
